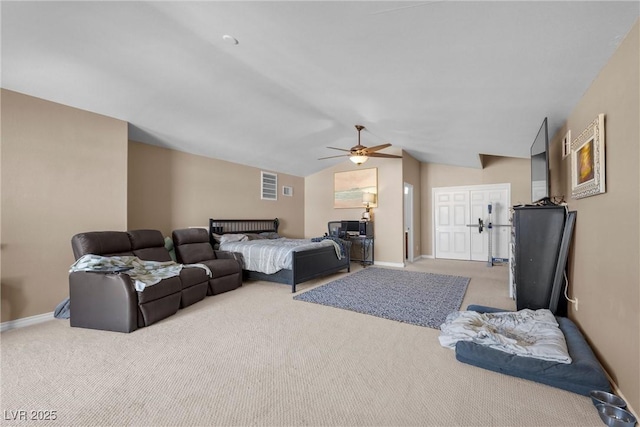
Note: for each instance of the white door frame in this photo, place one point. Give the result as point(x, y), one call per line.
point(435, 190)
point(408, 220)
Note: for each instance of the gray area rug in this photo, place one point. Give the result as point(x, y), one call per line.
point(422, 299)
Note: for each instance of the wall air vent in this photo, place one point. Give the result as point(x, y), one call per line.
point(269, 186)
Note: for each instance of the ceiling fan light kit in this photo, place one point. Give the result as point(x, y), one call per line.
point(359, 154)
point(358, 160)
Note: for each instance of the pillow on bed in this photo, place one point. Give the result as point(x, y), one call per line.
point(228, 238)
point(254, 236)
point(270, 235)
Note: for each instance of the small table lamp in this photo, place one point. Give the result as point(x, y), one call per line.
point(367, 199)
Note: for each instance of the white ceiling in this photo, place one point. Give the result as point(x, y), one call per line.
point(443, 80)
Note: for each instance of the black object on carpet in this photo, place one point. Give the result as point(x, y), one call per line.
point(423, 299)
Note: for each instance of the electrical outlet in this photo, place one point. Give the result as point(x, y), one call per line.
point(576, 304)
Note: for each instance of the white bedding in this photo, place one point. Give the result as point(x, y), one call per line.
point(272, 255)
point(528, 333)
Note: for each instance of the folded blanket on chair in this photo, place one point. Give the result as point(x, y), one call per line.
point(143, 273)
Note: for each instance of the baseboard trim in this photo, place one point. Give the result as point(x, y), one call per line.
point(389, 264)
point(427, 256)
point(26, 321)
point(616, 390)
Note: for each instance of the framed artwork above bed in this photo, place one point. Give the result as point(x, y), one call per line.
point(349, 187)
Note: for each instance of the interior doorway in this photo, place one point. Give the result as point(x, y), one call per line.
point(461, 217)
point(408, 223)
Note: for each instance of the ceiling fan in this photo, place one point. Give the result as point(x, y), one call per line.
point(359, 154)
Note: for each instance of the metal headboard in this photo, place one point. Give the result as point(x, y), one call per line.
point(225, 226)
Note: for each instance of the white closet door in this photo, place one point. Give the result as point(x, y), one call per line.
point(501, 232)
point(498, 198)
point(479, 200)
point(451, 217)
point(457, 211)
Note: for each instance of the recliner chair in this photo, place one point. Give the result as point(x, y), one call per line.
point(192, 247)
point(107, 301)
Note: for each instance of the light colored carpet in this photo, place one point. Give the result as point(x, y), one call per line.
point(254, 356)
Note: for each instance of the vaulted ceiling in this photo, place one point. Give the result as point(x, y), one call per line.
point(445, 81)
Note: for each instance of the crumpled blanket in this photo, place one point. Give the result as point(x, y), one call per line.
point(62, 310)
point(143, 273)
point(338, 244)
point(528, 333)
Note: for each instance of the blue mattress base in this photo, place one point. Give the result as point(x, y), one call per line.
point(581, 376)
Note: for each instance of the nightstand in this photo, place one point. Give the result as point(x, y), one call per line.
point(362, 249)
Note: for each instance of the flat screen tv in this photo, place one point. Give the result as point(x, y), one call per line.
point(540, 165)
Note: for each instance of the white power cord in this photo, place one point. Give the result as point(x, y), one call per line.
point(566, 286)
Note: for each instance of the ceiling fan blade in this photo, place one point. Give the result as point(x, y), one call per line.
point(341, 149)
point(388, 156)
point(378, 147)
point(333, 157)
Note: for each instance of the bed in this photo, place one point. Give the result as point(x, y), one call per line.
point(305, 264)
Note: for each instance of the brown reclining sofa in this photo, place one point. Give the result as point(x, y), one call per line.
point(192, 247)
point(109, 301)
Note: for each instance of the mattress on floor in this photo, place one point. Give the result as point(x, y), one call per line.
point(581, 376)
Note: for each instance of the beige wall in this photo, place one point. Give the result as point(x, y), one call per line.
point(387, 217)
point(496, 170)
point(170, 189)
point(64, 171)
point(605, 256)
point(411, 175)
